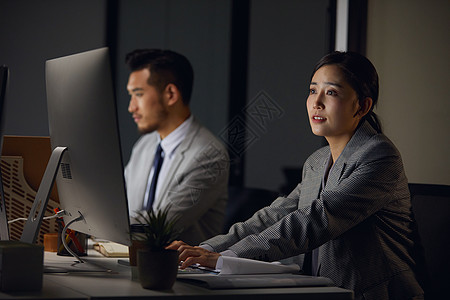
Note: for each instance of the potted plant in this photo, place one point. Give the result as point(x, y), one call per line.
point(157, 266)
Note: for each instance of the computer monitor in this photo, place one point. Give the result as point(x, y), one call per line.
point(84, 134)
point(4, 77)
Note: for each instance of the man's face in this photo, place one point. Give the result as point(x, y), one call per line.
point(146, 104)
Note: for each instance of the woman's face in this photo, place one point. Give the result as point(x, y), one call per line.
point(332, 105)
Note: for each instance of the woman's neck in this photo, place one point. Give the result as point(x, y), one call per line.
point(337, 145)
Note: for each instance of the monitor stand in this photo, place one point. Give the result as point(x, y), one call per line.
point(34, 221)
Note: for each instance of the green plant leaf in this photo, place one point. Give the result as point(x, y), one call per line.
point(159, 230)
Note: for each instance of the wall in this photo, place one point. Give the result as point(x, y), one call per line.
point(287, 38)
point(283, 47)
point(200, 30)
point(409, 43)
point(32, 32)
point(282, 52)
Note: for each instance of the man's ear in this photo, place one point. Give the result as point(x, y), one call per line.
point(172, 94)
point(366, 106)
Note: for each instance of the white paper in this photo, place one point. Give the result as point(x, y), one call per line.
point(237, 265)
point(254, 280)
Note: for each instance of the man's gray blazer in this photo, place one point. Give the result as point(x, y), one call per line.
point(196, 185)
point(361, 220)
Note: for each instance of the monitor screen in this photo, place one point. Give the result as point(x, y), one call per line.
point(82, 117)
point(4, 76)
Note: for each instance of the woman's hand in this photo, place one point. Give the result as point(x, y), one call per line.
point(190, 255)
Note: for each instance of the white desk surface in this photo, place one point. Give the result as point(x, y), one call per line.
point(118, 285)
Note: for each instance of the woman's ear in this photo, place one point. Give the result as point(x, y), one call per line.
point(366, 106)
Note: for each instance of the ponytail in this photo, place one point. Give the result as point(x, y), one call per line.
point(373, 120)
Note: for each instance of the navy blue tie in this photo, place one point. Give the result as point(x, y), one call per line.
point(157, 163)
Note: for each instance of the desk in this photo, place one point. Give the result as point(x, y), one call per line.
point(118, 285)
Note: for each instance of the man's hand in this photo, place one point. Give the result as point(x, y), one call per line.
point(190, 255)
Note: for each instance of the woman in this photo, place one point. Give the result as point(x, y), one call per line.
point(352, 210)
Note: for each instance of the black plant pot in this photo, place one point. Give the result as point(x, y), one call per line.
point(157, 269)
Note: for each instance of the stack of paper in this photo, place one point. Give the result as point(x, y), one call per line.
point(237, 265)
point(247, 273)
point(111, 249)
point(253, 280)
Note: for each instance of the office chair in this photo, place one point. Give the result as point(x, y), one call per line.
point(244, 202)
point(431, 207)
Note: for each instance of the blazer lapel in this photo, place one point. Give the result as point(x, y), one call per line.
point(362, 134)
point(312, 184)
point(177, 160)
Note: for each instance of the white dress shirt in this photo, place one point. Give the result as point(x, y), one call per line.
point(169, 146)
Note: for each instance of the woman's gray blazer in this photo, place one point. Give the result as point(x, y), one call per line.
point(361, 220)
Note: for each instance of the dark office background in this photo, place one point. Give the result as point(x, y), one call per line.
point(252, 62)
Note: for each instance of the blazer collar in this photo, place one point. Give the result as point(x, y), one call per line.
point(176, 137)
point(359, 138)
point(361, 135)
point(186, 143)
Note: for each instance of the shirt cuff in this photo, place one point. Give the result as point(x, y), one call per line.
point(226, 253)
point(219, 262)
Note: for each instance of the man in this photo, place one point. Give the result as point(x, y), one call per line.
point(191, 165)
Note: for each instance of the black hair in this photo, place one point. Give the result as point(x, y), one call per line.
point(362, 76)
point(165, 67)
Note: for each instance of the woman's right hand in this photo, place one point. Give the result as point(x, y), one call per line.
point(190, 255)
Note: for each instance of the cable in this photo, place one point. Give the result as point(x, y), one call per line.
point(57, 215)
point(18, 219)
point(63, 235)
